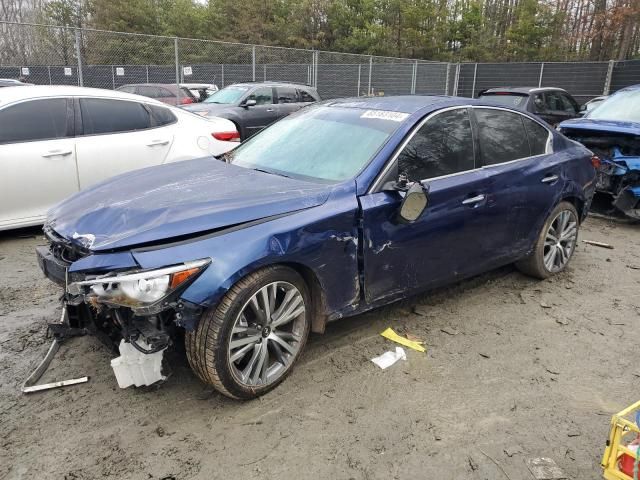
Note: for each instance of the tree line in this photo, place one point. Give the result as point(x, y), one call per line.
point(447, 30)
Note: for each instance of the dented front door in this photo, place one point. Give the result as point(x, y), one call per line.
point(450, 240)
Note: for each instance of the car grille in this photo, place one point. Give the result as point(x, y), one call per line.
point(63, 249)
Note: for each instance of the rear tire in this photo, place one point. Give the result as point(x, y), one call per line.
point(247, 344)
point(555, 244)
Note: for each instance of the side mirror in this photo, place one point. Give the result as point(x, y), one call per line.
point(250, 103)
point(414, 203)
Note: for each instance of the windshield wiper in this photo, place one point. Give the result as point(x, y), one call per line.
point(271, 173)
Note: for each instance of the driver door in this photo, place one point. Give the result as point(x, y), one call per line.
point(263, 113)
point(443, 244)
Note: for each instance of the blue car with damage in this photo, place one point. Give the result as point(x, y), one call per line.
point(342, 207)
point(612, 131)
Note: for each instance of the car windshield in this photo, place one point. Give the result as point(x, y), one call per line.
point(319, 143)
point(507, 99)
point(623, 106)
point(227, 95)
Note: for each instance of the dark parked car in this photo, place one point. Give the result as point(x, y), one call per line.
point(253, 106)
point(612, 131)
point(168, 93)
point(553, 105)
point(334, 210)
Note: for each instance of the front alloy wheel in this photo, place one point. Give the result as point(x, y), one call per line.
point(248, 344)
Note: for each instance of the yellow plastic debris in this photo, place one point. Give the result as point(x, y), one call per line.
point(394, 337)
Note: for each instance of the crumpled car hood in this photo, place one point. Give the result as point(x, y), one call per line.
point(176, 200)
point(632, 128)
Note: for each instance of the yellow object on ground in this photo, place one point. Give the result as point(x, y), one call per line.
point(621, 427)
point(394, 337)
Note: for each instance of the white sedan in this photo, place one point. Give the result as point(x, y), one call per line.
point(57, 140)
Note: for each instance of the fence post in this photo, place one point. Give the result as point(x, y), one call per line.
point(147, 73)
point(370, 69)
point(253, 62)
point(541, 74)
point(222, 74)
point(79, 57)
point(359, 74)
point(113, 78)
point(315, 70)
point(49, 71)
point(456, 79)
point(446, 80)
point(607, 81)
point(414, 77)
point(473, 86)
point(175, 51)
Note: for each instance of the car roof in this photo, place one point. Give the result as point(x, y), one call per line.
point(523, 90)
point(630, 87)
point(270, 84)
point(13, 94)
point(398, 103)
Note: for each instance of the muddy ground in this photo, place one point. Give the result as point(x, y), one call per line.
point(515, 369)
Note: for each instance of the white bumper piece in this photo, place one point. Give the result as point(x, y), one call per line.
point(133, 367)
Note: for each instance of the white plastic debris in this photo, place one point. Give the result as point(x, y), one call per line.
point(389, 358)
point(133, 367)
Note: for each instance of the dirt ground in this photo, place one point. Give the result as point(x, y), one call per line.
point(515, 369)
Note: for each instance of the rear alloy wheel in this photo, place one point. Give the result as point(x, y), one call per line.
point(249, 343)
point(555, 245)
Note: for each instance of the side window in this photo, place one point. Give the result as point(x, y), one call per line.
point(148, 91)
point(501, 135)
point(539, 105)
point(34, 120)
point(262, 96)
point(287, 95)
point(442, 146)
point(538, 136)
point(570, 106)
point(111, 116)
point(554, 101)
point(305, 96)
point(161, 116)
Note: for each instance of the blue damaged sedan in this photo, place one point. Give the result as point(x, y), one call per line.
point(339, 208)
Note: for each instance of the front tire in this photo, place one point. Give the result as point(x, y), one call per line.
point(248, 344)
point(555, 244)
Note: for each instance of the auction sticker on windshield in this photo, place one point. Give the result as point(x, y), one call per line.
point(385, 115)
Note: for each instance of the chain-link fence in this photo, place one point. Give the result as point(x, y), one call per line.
point(93, 58)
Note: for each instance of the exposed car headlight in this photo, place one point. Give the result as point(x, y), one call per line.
point(137, 289)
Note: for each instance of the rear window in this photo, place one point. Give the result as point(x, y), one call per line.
point(507, 99)
point(538, 136)
point(502, 136)
point(306, 96)
point(34, 120)
point(111, 116)
point(161, 116)
point(286, 95)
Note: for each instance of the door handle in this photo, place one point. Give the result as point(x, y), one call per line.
point(473, 200)
point(153, 143)
point(57, 153)
point(270, 110)
point(549, 179)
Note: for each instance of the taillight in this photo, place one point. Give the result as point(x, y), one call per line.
point(186, 100)
point(233, 136)
point(596, 162)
